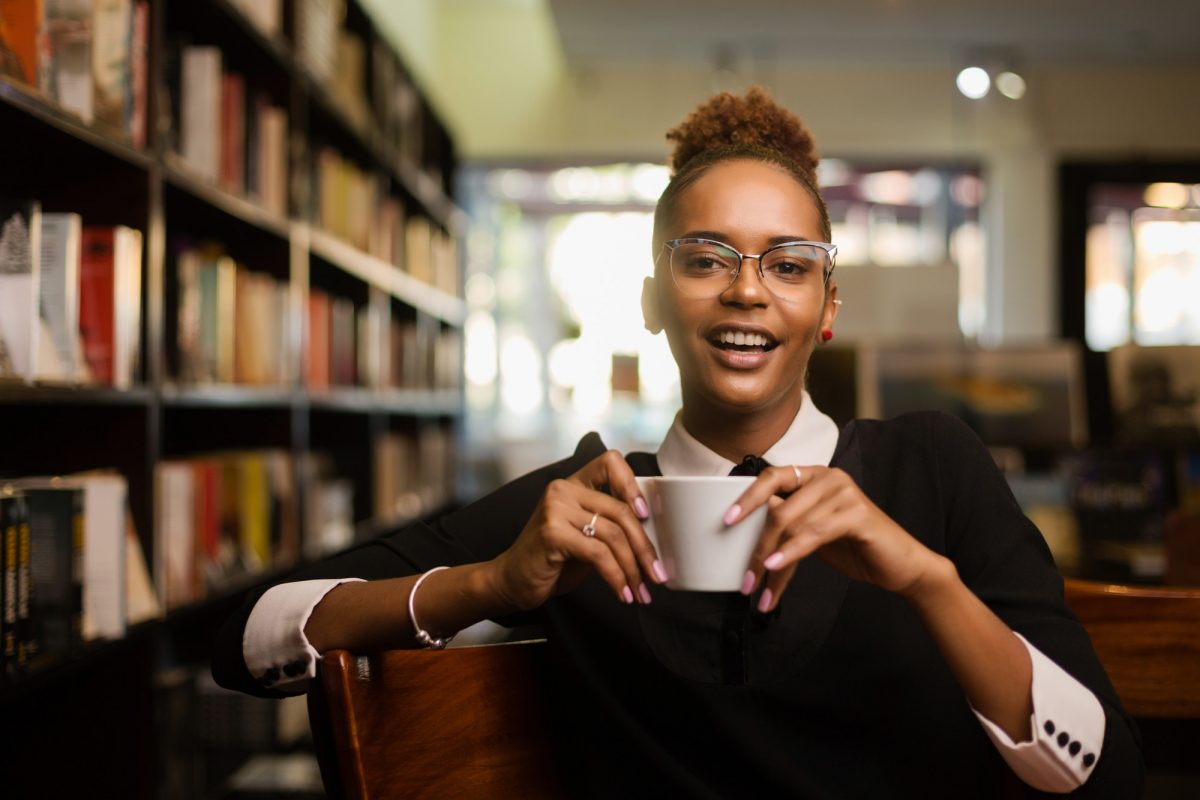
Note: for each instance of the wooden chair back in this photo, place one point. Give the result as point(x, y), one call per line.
point(1148, 639)
point(462, 722)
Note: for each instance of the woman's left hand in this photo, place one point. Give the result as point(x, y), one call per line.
point(827, 513)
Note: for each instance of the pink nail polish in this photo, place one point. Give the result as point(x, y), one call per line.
point(660, 571)
point(627, 596)
point(764, 602)
point(732, 514)
point(643, 510)
point(773, 561)
point(748, 582)
point(644, 593)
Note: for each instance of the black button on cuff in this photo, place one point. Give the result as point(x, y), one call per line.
point(1088, 759)
point(1049, 728)
point(1063, 739)
point(293, 668)
point(1074, 748)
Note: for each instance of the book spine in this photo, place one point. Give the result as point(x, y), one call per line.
point(8, 586)
point(28, 643)
point(97, 299)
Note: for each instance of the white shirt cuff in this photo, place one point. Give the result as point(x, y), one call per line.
point(1067, 730)
point(274, 646)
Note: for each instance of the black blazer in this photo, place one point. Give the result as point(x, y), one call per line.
point(840, 692)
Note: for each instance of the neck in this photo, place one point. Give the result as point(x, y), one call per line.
point(733, 435)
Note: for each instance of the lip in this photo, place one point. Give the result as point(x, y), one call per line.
point(743, 361)
point(733, 359)
point(742, 328)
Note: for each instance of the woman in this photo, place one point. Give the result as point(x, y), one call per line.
point(900, 630)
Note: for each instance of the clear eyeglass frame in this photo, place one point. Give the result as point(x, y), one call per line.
point(711, 288)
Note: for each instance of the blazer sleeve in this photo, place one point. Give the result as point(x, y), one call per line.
point(1004, 559)
point(477, 532)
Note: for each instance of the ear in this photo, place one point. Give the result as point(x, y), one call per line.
point(831, 307)
point(650, 306)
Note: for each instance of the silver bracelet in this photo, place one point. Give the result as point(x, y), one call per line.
point(422, 636)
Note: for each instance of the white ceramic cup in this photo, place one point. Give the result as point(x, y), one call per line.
point(687, 526)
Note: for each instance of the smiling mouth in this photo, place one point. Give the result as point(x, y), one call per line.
point(738, 342)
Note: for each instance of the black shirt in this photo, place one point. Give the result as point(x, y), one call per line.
point(840, 692)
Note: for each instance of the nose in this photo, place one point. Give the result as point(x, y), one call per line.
point(747, 287)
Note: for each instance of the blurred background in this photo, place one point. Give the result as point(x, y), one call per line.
point(369, 259)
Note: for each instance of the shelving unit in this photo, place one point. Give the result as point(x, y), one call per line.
point(98, 712)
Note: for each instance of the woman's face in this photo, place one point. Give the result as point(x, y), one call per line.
point(749, 205)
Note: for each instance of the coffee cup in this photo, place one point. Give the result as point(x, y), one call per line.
point(687, 526)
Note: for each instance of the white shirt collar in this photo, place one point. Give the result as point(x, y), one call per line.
point(811, 439)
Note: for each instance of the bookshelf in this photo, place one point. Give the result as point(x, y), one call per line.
point(349, 381)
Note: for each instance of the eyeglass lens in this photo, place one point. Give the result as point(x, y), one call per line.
point(708, 268)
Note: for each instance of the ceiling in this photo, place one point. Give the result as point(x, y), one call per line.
point(718, 32)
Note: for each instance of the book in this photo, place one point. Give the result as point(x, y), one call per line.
point(112, 78)
point(232, 156)
point(106, 518)
point(110, 302)
point(20, 266)
point(56, 563)
point(174, 531)
point(139, 65)
point(8, 584)
point(318, 340)
point(58, 297)
point(200, 110)
point(65, 66)
point(18, 639)
point(20, 31)
point(141, 599)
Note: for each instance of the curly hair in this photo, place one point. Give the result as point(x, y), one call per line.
point(730, 128)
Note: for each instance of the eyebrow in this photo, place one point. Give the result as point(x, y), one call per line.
point(724, 237)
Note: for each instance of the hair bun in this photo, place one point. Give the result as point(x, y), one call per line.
point(754, 121)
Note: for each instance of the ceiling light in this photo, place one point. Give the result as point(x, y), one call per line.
point(973, 82)
point(1011, 85)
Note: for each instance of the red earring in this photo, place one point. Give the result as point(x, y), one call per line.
point(826, 335)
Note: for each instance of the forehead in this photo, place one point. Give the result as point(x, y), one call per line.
point(749, 200)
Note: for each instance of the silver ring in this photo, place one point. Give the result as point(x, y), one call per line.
point(589, 530)
point(796, 470)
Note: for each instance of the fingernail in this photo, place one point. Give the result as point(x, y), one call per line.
point(748, 582)
point(732, 514)
point(643, 510)
point(644, 593)
point(660, 571)
point(627, 596)
point(764, 602)
point(773, 561)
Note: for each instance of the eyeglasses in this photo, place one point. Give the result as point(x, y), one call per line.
point(704, 268)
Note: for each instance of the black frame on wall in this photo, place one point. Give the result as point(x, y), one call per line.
point(1076, 179)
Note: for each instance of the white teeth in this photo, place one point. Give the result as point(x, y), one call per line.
point(742, 338)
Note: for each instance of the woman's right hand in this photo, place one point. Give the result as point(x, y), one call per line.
point(552, 555)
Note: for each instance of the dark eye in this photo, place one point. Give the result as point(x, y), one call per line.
point(792, 263)
point(701, 259)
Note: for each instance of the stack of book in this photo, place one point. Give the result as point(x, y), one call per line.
point(88, 57)
point(72, 565)
point(70, 298)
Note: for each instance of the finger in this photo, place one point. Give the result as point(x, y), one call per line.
point(612, 470)
point(636, 539)
point(813, 527)
point(597, 554)
point(613, 536)
point(769, 483)
point(781, 515)
point(774, 587)
point(810, 537)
